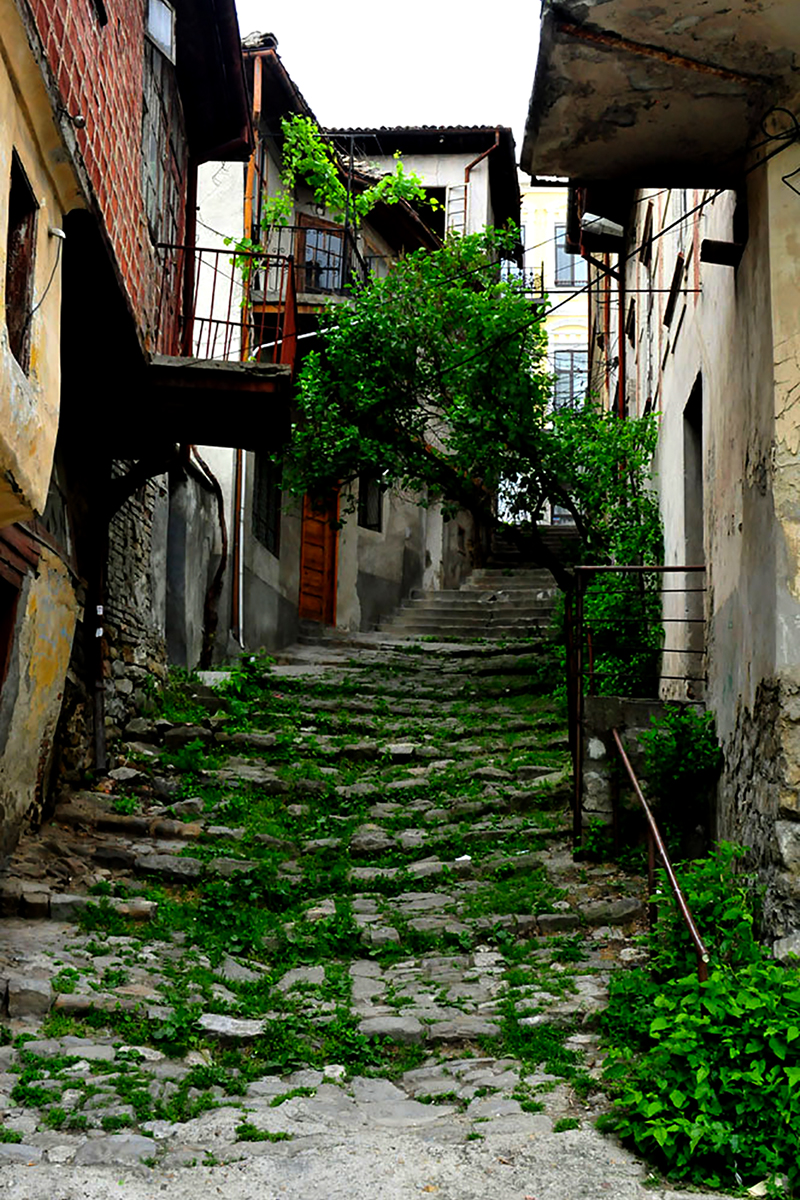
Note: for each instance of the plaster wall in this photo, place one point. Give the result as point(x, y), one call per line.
point(31, 697)
point(220, 200)
point(739, 336)
point(29, 402)
point(193, 550)
point(447, 170)
point(390, 562)
point(272, 583)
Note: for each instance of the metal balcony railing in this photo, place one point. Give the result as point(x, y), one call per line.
point(206, 305)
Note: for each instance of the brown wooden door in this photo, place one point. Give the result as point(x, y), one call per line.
point(318, 548)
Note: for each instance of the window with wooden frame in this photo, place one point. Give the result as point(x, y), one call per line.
point(370, 502)
point(319, 256)
point(20, 257)
point(161, 26)
point(267, 503)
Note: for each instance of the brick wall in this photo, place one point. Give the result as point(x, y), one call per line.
point(99, 72)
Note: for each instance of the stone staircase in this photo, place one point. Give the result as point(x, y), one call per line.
point(495, 603)
point(511, 598)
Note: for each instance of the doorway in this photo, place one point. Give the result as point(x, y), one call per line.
point(319, 542)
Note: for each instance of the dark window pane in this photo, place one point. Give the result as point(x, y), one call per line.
point(267, 503)
point(22, 208)
point(370, 503)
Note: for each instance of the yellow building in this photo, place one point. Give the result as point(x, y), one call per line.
point(549, 271)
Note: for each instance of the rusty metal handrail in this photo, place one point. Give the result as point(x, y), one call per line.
point(576, 633)
point(655, 842)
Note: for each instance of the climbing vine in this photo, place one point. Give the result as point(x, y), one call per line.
point(310, 159)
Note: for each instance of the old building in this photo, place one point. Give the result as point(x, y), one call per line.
point(105, 118)
point(282, 562)
point(680, 137)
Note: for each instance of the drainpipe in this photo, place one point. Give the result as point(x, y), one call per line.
point(474, 163)
point(189, 265)
point(237, 557)
point(622, 347)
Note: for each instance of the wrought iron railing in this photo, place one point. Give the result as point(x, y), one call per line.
point(207, 305)
point(644, 638)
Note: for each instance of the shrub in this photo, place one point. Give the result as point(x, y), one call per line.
point(706, 1074)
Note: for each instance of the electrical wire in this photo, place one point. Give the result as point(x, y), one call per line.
point(787, 138)
point(43, 296)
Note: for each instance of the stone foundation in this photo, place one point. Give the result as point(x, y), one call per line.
point(135, 616)
point(760, 798)
point(602, 766)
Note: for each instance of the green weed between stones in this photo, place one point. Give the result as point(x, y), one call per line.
point(261, 914)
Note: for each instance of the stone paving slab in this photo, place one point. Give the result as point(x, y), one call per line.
point(387, 806)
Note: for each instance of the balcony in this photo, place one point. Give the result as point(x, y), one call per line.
point(627, 92)
point(223, 371)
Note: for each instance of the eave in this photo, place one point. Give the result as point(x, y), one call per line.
point(642, 94)
point(468, 140)
point(212, 82)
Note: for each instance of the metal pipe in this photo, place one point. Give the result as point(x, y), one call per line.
point(481, 156)
point(700, 949)
point(577, 813)
point(468, 172)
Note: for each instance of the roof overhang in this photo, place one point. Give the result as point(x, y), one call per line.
point(475, 141)
point(211, 80)
point(244, 405)
point(646, 94)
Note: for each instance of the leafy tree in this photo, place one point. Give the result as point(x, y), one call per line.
point(435, 380)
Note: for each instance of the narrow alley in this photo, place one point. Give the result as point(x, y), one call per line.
point(325, 930)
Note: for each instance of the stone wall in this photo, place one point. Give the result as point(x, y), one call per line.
point(760, 808)
point(135, 610)
point(601, 761)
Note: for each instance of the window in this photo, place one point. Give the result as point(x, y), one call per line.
point(161, 26)
point(370, 502)
point(320, 255)
point(20, 252)
point(267, 503)
point(571, 368)
point(570, 268)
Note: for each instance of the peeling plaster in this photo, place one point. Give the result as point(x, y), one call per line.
point(31, 698)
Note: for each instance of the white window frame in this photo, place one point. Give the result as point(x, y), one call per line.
point(156, 11)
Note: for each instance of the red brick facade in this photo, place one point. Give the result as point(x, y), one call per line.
point(99, 71)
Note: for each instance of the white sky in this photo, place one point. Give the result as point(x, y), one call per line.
point(410, 62)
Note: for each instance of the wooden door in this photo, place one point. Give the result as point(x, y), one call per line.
point(318, 548)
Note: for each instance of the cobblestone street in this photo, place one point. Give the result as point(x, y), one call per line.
point(336, 920)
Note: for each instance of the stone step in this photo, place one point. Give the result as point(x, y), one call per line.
point(477, 608)
point(468, 620)
point(425, 626)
